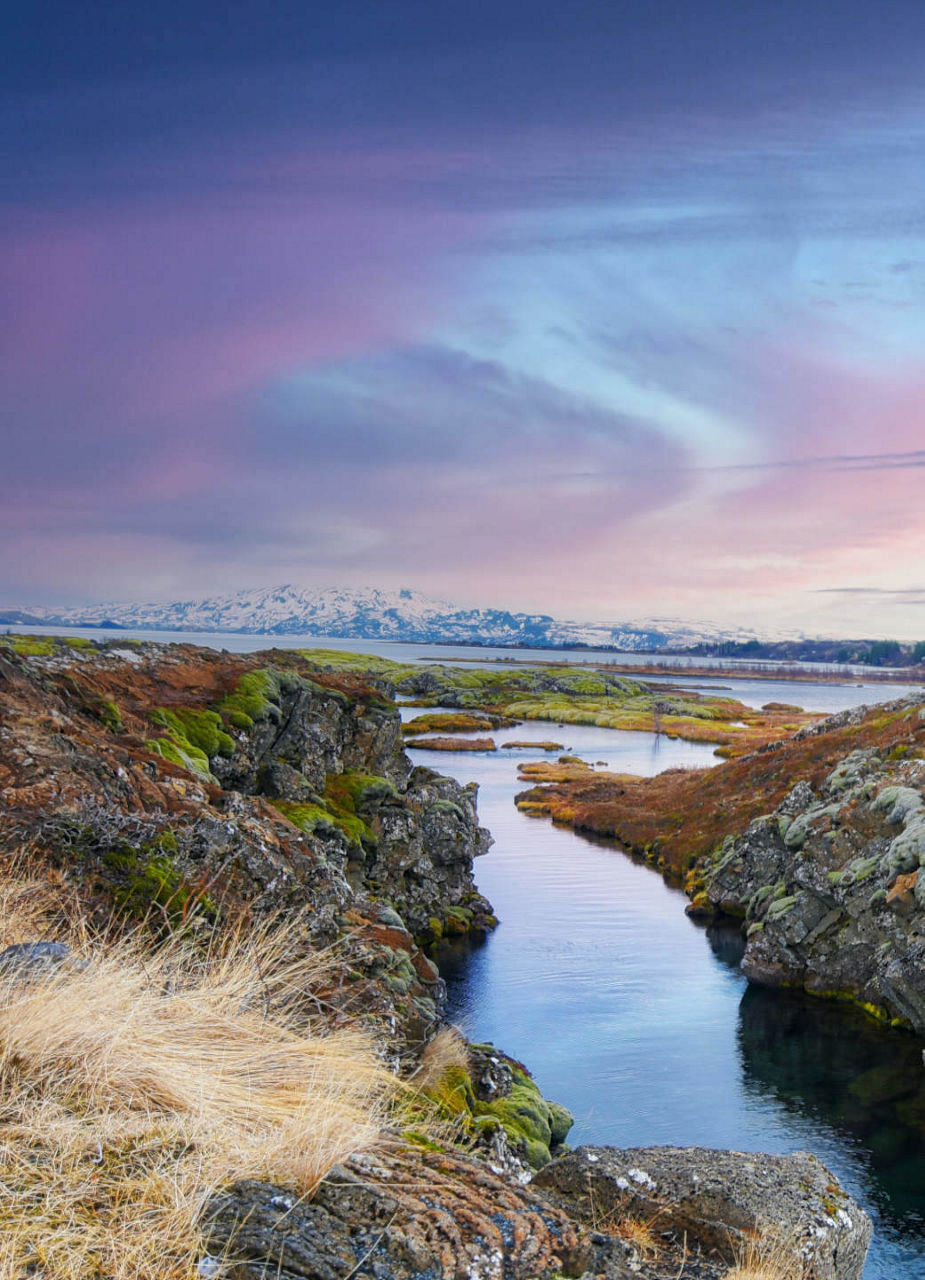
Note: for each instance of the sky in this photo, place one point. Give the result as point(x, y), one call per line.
point(605, 309)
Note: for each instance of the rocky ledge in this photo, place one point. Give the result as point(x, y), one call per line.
point(196, 786)
point(830, 885)
point(647, 1214)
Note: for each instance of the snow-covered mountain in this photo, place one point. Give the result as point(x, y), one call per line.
point(368, 614)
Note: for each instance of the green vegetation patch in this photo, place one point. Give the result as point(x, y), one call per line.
point(448, 722)
point(30, 646)
point(258, 694)
point(533, 1125)
point(147, 883)
point(357, 663)
point(346, 806)
point(311, 818)
point(351, 797)
point(193, 738)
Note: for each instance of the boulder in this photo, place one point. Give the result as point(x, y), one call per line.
point(405, 1216)
point(31, 961)
point(721, 1201)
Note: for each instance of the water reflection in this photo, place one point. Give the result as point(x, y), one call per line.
point(835, 1065)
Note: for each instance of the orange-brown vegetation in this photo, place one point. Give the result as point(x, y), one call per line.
point(452, 744)
point(681, 814)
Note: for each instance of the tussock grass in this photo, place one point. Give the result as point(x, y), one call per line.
point(767, 1255)
point(639, 1234)
point(445, 1055)
point(131, 1089)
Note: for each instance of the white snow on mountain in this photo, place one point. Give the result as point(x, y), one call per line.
point(373, 614)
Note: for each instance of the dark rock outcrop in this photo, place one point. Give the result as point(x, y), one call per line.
point(831, 889)
point(187, 784)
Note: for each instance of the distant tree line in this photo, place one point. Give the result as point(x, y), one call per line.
point(868, 653)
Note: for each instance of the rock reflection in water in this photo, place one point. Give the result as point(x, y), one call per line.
point(834, 1064)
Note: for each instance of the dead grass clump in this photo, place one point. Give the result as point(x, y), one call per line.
point(445, 1055)
point(767, 1255)
point(639, 1234)
point(132, 1089)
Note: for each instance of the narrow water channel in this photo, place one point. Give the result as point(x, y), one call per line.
point(641, 1023)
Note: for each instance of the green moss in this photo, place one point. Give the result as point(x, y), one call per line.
point(311, 818)
point(418, 1139)
point(193, 760)
point(111, 716)
point(255, 697)
point(239, 720)
point(30, 646)
point(78, 642)
point(200, 730)
point(351, 796)
point(876, 1011)
point(448, 808)
point(781, 907)
point(360, 663)
point(146, 881)
point(346, 806)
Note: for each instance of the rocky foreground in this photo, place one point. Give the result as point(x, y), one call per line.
point(187, 792)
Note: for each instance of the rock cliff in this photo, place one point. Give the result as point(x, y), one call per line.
point(191, 784)
point(830, 884)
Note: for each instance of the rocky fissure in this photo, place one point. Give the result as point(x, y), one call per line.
point(183, 789)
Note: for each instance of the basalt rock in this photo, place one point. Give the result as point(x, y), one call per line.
point(830, 885)
point(184, 785)
point(407, 1217)
point(720, 1202)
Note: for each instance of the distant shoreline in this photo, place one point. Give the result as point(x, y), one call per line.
point(663, 662)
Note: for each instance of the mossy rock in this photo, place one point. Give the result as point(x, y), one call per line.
point(193, 760)
point(781, 907)
point(310, 818)
point(201, 730)
point(257, 695)
point(148, 885)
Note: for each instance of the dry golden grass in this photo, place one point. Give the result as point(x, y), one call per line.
point(131, 1089)
point(768, 1255)
point(638, 1233)
point(444, 1055)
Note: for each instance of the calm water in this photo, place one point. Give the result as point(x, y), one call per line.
point(641, 1023)
point(638, 1019)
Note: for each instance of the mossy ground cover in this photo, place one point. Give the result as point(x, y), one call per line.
point(566, 695)
point(449, 722)
point(192, 738)
point(256, 696)
point(534, 1126)
point(29, 646)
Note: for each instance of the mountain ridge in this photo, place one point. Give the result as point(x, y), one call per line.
point(402, 615)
